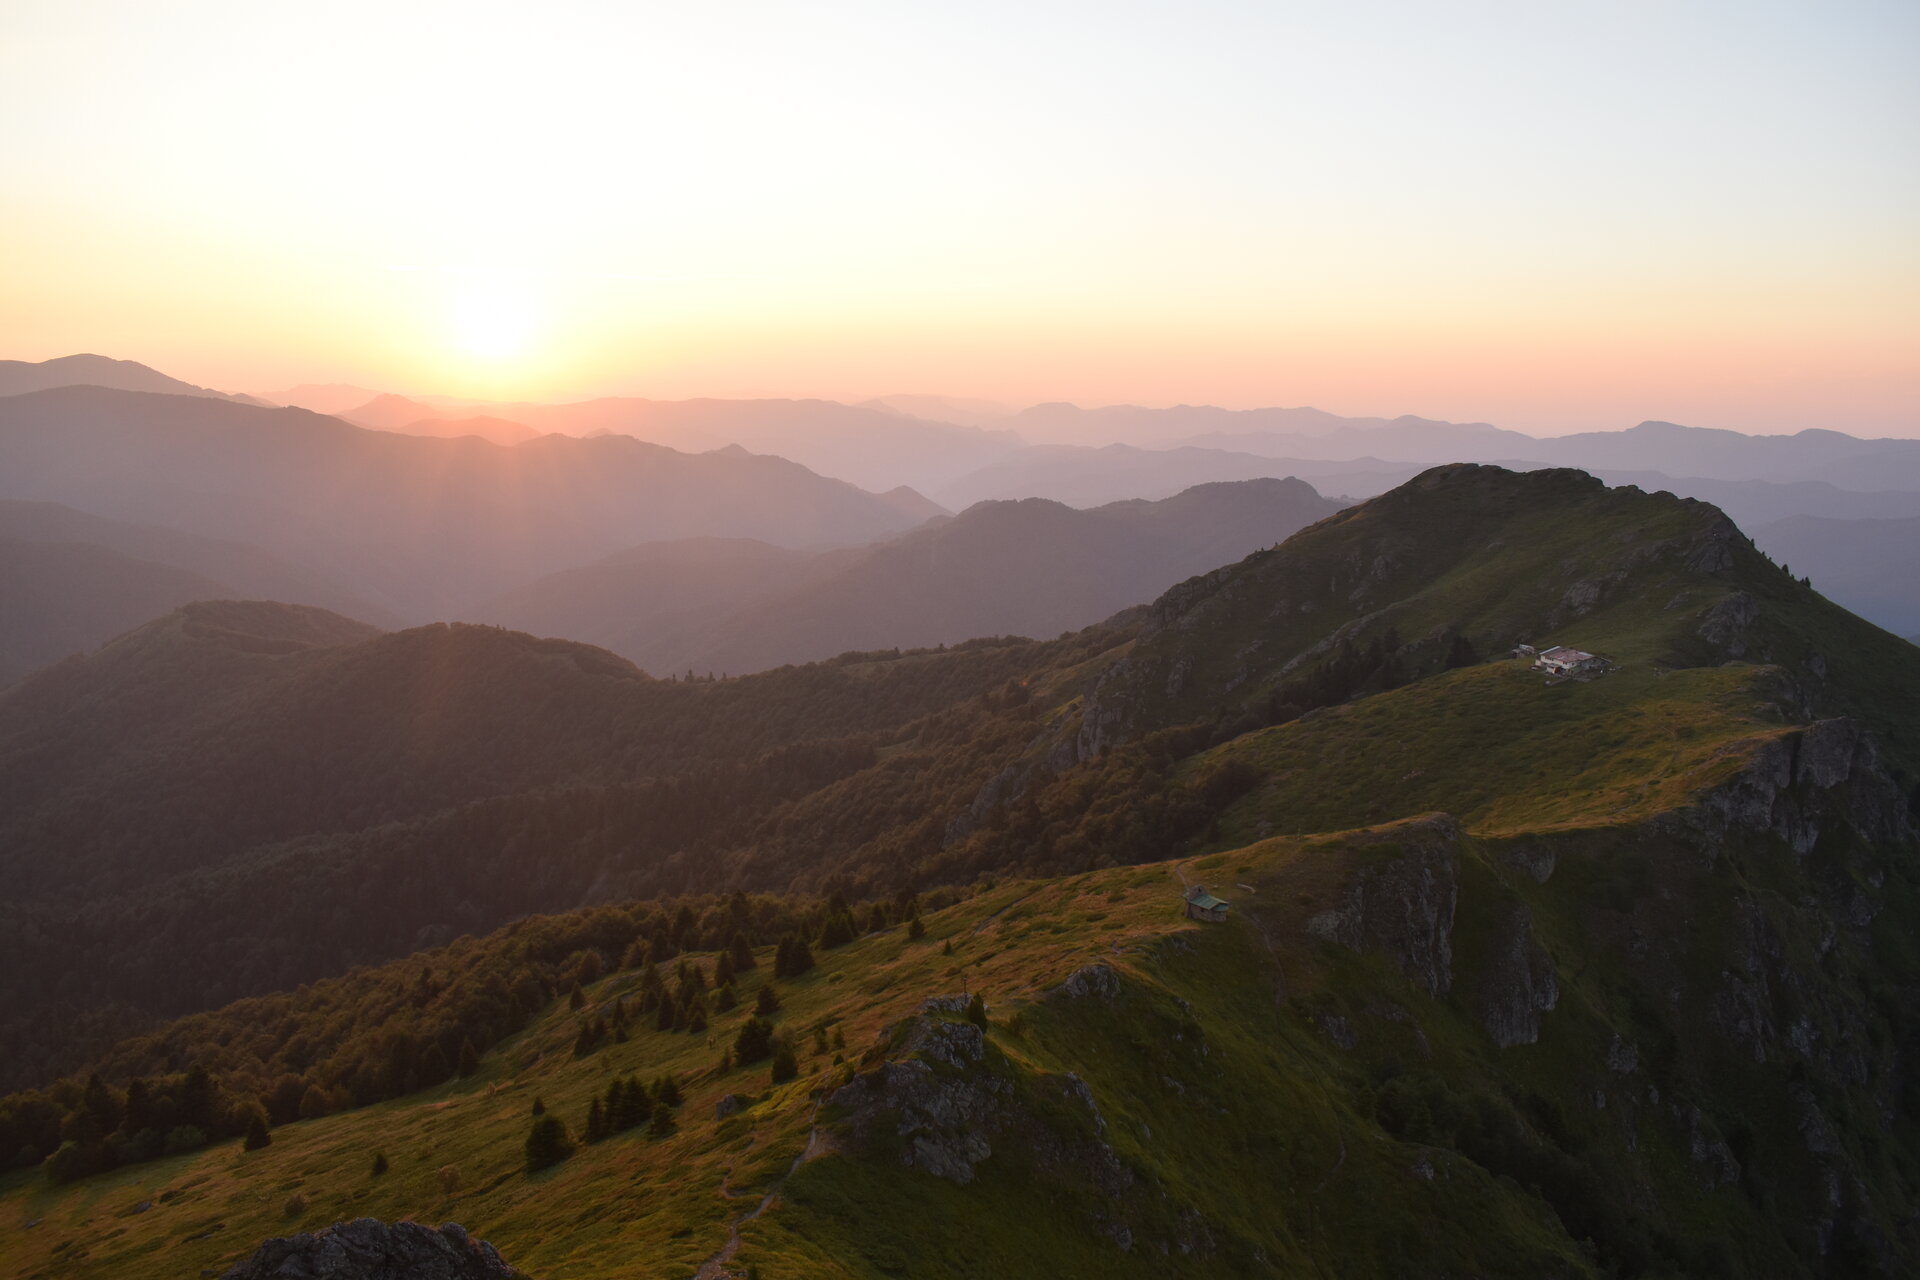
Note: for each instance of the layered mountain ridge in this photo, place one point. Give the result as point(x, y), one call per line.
point(1521, 975)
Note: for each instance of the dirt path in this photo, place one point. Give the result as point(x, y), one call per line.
point(715, 1268)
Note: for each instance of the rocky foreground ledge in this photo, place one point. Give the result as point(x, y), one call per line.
point(368, 1249)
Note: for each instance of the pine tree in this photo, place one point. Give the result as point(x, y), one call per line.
point(722, 969)
point(837, 931)
point(433, 1066)
point(697, 1017)
point(596, 1121)
point(576, 999)
point(785, 1067)
point(767, 1002)
point(915, 929)
point(255, 1131)
point(725, 998)
point(977, 1011)
point(547, 1144)
point(661, 1123)
point(539, 1107)
point(740, 951)
point(667, 1089)
point(754, 1042)
point(379, 1163)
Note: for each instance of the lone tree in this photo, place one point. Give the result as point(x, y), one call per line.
point(767, 1002)
point(379, 1163)
point(977, 1011)
point(547, 1144)
point(754, 1042)
point(785, 1067)
point(256, 1135)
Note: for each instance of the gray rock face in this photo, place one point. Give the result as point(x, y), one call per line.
point(1726, 624)
point(1094, 982)
point(1520, 984)
point(732, 1104)
point(368, 1249)
point(944, 1119)
point(944, 1110)
point(1403, 905)
point(1800, 784)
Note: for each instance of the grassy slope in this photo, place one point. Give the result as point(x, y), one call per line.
point(1503, 749)
point(635, 1205)
point(1217, 1076)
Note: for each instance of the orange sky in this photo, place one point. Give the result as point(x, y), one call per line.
point(1550, 217)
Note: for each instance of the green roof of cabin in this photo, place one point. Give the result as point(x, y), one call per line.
point(1206, 901)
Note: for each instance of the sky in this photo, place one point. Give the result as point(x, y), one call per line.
point(1554, 215)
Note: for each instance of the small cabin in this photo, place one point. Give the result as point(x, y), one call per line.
point(1562, 661)
point(1525, 651)
point(1202, 905)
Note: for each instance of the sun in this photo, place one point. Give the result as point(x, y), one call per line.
point(491, 322)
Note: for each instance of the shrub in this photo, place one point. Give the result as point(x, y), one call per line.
point(977, 1011)
point(379, 1163)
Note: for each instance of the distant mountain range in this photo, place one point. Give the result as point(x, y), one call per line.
point(1030, 568)
point(899, 448)
point(70, 581)
point(419, 525)
point(19, 377)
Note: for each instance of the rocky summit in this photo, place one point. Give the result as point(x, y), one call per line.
point(368, 1249)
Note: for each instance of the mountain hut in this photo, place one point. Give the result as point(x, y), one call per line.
point(1562, 661)
point(1202, 905)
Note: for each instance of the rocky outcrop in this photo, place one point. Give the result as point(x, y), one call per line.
point(1726, 624)
point(1804, 782)
point(1094, 982)
point(944, 1120)
point(943, 1107)
point(1519, 983)
point(1400, 900)
point(368, 1249)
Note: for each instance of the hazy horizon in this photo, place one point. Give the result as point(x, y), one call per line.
point(1553, 219)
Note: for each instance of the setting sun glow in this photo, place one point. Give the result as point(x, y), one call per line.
point(491, 322)
point(1227, 202)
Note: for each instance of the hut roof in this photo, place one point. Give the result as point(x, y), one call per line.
point(1199, 897)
